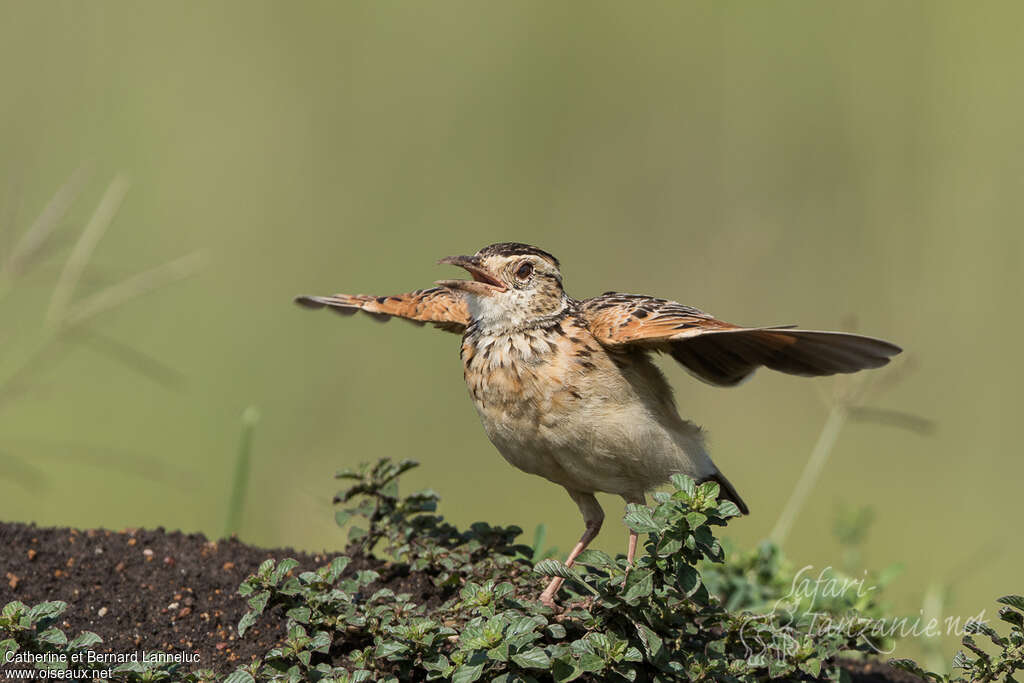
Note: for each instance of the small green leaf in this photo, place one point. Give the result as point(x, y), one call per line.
point(283, 567)
point(639, 519)
point(1016, 601)
point(565, 669)
point(591, 663)
point(299, 614)
point(258, 602)
point(247, 620)
point(727, 508)
point(534, 658)
point(639, 584)
point(553, 568)
point(695, 519)
point(84, 639)
point(467, 673)
point(688, 579)
point(594, 558)
point(811, 667)
point(557, 631)
point(650, 640)
point(389, 648)
point(336, 568)
point(239, 676)
point(53, 636)
point(684, 483)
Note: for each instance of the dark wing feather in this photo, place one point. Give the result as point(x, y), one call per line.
point(724, 354)
point(440, 306)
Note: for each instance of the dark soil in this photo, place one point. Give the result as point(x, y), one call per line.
point(175, 592)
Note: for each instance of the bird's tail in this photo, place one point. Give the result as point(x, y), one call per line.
point(728, 491)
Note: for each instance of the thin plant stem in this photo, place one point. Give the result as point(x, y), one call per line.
point(240, 485)
point(812, 471)
point(83, 249)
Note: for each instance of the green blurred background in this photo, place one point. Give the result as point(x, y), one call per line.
point(768, 162)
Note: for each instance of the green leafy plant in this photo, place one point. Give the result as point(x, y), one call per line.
point(680, 613)
point(982, 666)
point(655, 621)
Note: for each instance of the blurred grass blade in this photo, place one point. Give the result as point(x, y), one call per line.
point(83, 249)
point(893, 418)
point(812, 471)
point(106, 458)
point(134, 287)
point(132, 358)
point(240, 485)
point(16, 469)
point(32, 241)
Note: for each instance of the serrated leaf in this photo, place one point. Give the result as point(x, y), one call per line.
point(710, 490)
point(499, 653)
point(258, 602)
point(650, 640)
point(727, 508)
point(811, 667)
point(389, 648)
point(557, 631)
point(591, 663)
point(299, 614)
point(669, 545)
point(553, 568)
point(521, 626)
point(84, 639)
point(14, 608)
point(7, 647)
point(54, 636)
point(639, 584)
point(1016, 601)
point(684, 483)
point(247, 620)
point(594, 558)
point(688, 579)
point(1011, 616)
point(534, 658)
point(467, 673)
point(335, 569)
point(283, 567)
point(565, 669)
point(239, 676)
point(47, 609)
point(639, 519)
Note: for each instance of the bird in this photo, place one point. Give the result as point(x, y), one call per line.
point(567, 389)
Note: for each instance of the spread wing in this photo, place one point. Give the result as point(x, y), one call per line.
point(721, 353)
point(443, 307)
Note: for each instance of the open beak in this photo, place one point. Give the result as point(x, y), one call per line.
point(482, 284)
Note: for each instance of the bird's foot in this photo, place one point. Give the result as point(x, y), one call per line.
point(548, 600)
point(625, 577)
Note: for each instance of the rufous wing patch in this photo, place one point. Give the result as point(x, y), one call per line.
point(721, 353)
point(440, 306)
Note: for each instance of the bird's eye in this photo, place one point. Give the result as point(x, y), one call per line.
point(524, 271)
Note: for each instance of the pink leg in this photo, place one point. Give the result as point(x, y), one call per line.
point(631, 553)
point(633, 536)
point(593, 516)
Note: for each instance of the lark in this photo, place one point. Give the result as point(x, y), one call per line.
point(567, 389)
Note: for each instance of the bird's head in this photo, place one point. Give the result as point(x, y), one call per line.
point(512, 284)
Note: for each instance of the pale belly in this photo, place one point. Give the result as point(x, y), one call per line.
point(582, 420)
